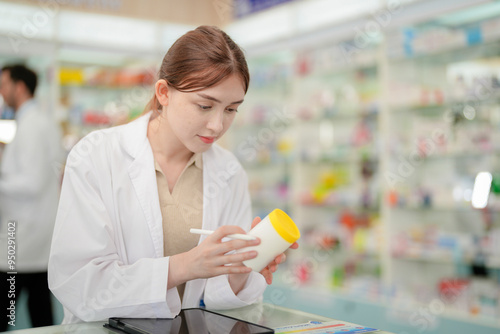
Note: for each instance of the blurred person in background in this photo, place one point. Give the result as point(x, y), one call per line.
point(29, 194)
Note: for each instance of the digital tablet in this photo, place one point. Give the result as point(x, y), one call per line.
point(189, 321)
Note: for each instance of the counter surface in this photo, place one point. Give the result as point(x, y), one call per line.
point(265, 314)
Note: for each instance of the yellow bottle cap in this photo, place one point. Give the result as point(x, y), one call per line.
point(284, 225)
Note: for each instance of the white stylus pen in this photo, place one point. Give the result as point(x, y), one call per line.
point(233, 236)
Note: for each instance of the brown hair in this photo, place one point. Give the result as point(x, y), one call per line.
point(199, 59)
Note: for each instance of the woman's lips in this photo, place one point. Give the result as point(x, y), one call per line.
point(207, 140)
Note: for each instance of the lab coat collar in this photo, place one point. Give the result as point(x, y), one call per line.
point(142, 174)
point(23, 108)
point(135, 138)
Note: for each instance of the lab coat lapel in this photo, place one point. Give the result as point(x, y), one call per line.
point(143, 177)
point(214, 184)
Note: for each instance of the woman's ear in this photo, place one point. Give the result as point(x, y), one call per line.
point(162, 92)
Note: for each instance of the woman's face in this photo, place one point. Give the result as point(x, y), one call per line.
point(198, 119)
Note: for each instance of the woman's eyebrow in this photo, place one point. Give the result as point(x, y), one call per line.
point(208, 97)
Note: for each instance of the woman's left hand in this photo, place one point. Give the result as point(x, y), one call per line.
point(268, 271)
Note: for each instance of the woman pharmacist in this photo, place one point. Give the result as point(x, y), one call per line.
point(121, 245)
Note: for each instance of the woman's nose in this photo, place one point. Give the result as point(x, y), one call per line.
point(216, 122)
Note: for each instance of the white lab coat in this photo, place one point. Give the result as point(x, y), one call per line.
point(30, 174)
point(107, 250)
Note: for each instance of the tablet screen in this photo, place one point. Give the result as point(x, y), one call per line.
point(199, 321)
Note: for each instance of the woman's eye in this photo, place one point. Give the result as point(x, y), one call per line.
point(202, 107)
point(230, 110)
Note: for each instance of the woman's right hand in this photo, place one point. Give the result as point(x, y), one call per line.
point(210, 258)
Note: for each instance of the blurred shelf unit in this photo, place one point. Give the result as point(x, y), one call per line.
point(377, 164)
point(97, 70)
point(97, 96)
point(260, 136)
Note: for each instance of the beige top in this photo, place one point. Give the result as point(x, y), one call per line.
point(182, 209)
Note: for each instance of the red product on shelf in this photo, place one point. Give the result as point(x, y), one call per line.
point(95, 118)
point(348, 219)
point(452, 288)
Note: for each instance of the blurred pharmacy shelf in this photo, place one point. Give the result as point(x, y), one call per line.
point(96, 70)
point(386, 215)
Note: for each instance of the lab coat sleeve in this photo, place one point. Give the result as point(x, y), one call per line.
point(34, 162)
point(85, 270)
point(218, 292)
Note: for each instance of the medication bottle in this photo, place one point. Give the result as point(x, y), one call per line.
point(277, 232)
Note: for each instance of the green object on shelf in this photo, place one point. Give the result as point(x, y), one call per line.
point(134, 113)
point(495, 184)
point(337, 277)
point(378, 271)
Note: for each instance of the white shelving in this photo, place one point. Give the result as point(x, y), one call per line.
point(413, 94)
